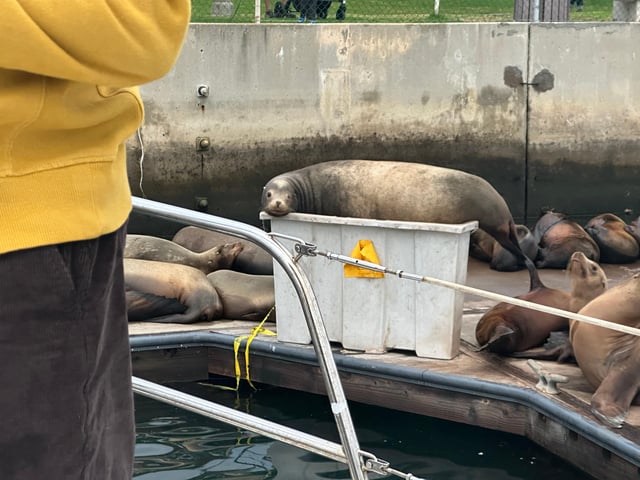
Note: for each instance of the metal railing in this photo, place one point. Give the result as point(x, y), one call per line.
point(350, 445)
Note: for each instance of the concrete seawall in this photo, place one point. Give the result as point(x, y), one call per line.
point(548, 113)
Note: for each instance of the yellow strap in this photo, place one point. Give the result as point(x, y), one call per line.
point(236, 348)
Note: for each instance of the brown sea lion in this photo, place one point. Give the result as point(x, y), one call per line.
point(169, 293)
point(558, 237)
point(616, 244)
point(244, 296)
point(387, 190)
point(508, 328)
point(633, 229)
point(252, 258)
point(481, 245)
point(146, 247)
point(484, 247)
point(610, 360)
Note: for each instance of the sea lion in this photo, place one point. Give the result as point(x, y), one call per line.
point(616, 244)
point(481, 245)
point(507, 328)
point(387, 190)
point(244, 296)
point(558, 237)
point(610, 360)
point(152, 289)
point(146, 247)
point(484, 247)
point(633, 229)
point(252, 259)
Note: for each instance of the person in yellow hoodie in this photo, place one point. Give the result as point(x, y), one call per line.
point(68, 102)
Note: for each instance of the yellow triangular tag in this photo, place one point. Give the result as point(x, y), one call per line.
point(363, 251)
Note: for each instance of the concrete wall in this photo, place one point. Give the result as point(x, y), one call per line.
point(458, 95)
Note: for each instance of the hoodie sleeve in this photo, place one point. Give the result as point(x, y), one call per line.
point(104, 42)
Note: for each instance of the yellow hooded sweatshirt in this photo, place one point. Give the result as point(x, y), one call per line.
point(68, 102)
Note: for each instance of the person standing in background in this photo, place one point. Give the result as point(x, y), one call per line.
point(308, 11)
point(68, 102)
point(578, 3)
point(267, 9)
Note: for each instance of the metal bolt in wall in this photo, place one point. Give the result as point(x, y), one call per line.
point(202, 144)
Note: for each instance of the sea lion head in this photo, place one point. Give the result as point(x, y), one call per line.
point(591, 272)
point(222, 256)
point(279, 197)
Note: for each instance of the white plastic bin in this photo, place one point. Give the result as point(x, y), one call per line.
point(378, 314)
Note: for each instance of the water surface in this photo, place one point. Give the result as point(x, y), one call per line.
point(173, 444)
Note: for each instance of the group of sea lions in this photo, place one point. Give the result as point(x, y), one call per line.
point(202, 275)
point(606, 238)
point(387, 190)
point(609, 359)
point(199, 275)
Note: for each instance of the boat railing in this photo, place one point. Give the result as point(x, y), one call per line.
point(349, 452)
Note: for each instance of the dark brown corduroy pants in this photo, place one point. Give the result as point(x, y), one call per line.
point(65, 373)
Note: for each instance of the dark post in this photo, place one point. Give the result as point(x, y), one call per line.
point(548, 10)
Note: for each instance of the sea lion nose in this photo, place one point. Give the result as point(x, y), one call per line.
point(278, 203)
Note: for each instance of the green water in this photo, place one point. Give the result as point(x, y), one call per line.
point(173, 444)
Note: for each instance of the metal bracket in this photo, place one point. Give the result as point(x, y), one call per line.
point(304, 249)
point(547, 381)
point(300, 248)
point(382, 467)
point(542, 81)
point(308, 249)
point(376, 465)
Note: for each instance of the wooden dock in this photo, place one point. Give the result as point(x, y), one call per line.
point(476, 388)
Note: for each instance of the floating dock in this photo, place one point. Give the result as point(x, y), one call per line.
point(476, 388)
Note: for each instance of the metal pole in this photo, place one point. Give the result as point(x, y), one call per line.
point(239, 419)
point(308, 302)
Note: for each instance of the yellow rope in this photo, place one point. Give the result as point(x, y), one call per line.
point(236, 348)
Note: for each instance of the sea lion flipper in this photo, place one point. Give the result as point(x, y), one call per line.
point(610, 404)
point(561, 353)
point(500, 338)
point(143, 306)
point(183, 318)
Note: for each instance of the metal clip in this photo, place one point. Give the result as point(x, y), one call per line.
point(308, 249)
point(304, 248)
point(377, 466)
point(381, 467)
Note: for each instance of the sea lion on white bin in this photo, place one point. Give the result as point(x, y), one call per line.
point(389, 190)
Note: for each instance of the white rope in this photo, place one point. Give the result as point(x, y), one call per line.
point(482, 293)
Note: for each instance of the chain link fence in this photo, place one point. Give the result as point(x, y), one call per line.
point(413, 11)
